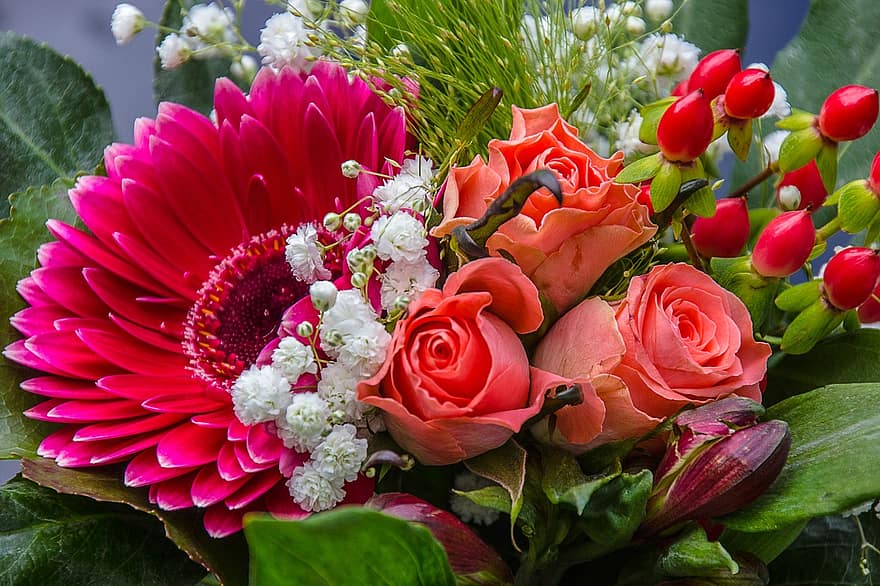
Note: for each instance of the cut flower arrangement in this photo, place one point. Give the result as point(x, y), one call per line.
point(446, 292)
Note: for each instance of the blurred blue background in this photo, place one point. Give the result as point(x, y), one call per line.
point(81, 29)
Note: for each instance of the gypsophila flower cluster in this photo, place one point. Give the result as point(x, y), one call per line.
point(305, 390)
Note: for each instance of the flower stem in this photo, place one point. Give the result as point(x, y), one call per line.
point(828, 230)
point(691, 249)
point(755, 181)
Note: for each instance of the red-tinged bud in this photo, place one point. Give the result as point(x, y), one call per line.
point(811, 192)
point(469, 556)
point(724, 234)
point(685, 129)
point(680, 89)
point(784, 245)
point(850, 277)
point(874, 177)
point(644, 197)
point(749, 94)
point(714, 72)
point(722, 478)
point(869, 311)
point(849, 113)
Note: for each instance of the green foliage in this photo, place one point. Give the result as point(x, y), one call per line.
point(713, 24)
point(225, 558)
point(20, 235)
point(191, 84)
point(694, 555)
point(835, 432)
point(51, 539)
point(54, 121)
point(617, 508)
point(386, 550)
point(766, 545)
point(506, 466)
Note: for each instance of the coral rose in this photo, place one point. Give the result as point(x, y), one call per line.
point(563, 250)
point(679, 339)
point(455, 382)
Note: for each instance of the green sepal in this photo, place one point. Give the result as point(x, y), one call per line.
point(851, 321)
point(739, 137)
point(810, 326)
point(702, 202)
point(826, 162)
point(665, 186)
point(640, 170)
point(797, 120)
point(651, 115)
point(799, 148)
point(799, 297)
point(856, 206)
point(755, 291)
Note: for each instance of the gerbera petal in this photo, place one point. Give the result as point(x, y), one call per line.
point(145, 470)
point(189, 445)
point(209, 487)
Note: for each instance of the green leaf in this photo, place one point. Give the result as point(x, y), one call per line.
point(224, 557)
point(694, 555)
point(54, 121)
point(702, 203)
point(852, 357)
point(191, 84)
point(563, 481)
point(826, 162)
point(617, 508)
point(506, 466)
point(767, 545)
point(665, 186)
point(828, 552)
point(640, 170)
point(379, 549)
point(800, 296)
point(815, 63)
point(739, 137)
point(51, 539)
point(651, 115)
point(492, 497)
point(835, 446)
point(20, 235)
point(713, 24)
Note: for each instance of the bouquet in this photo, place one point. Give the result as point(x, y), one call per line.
point(422, 292)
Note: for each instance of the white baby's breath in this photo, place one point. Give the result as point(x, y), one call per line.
point(304, 256)
point(313, 491)
point(260, 394)
point(126, 22)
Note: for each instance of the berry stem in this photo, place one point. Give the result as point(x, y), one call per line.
point(755, 181)
point(691, 249)
point(828, 230)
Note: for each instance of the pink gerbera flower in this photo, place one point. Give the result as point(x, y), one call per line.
point(143, 322)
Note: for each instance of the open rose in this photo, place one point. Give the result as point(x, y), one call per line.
point(679, 338)
point(455, 382)
point(564, 250)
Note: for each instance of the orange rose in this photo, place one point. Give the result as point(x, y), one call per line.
point(678, 338)
point(455, 382)
point(563, 250)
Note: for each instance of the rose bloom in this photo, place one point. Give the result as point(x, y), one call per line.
point(564, 250)
point(678, 338)
point(455, 382)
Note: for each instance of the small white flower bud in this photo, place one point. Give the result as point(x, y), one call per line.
point(400, 51)
point(173, 52)
point(630, 8)
point(585, 22)
point(351, 168)
point(334, 338)
point(369, 253)
point(658, 9)
point(359, 280)
point(332, 221)
point(126, 22)
point(351, 221)
point(666, 27)
point(634, 25)
point(305, 329)
point(244, 69)
point(353, 12)
point(400, 304)
point(323, 294)
point(789, 197)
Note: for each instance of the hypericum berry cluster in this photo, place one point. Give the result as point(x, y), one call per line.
point(363, 266)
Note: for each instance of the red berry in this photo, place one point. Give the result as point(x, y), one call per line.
point(849, 113)
point(874, 177)
point(680, 89)
point(808, 182)
point(869, 311)
point(784, 245)
point(850, 276)
point(644, 197)
point(685, 129)
point(749, 94)
point(714, 72)
point(724, 234)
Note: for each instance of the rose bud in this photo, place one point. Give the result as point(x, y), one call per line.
point(714, 72)
point(784, 245)
point(724, 234)
point(811, 192)
point(685, 129)
point(869, 311)
point(722, 478)
point(848, 113)
point(469, 556)
point(851, 276)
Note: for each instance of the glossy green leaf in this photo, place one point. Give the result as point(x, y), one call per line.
point(226, 558)
point(829, 552)
point(665, 186)
point(816, 62)
point(20, 235)
point(617, 508)
point(563, 481)
point(713, 24)
point(51, 539)
point(54, 120)
point(192, 83)
point(694, 555)
point(651, 115)
point(831, 468)
point(640, 170)
point(766, 545)
point(379, 549)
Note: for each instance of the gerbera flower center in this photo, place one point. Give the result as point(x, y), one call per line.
point(239, 308)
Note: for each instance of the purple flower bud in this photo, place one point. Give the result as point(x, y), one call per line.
point(721, 478)
point(468, 555)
